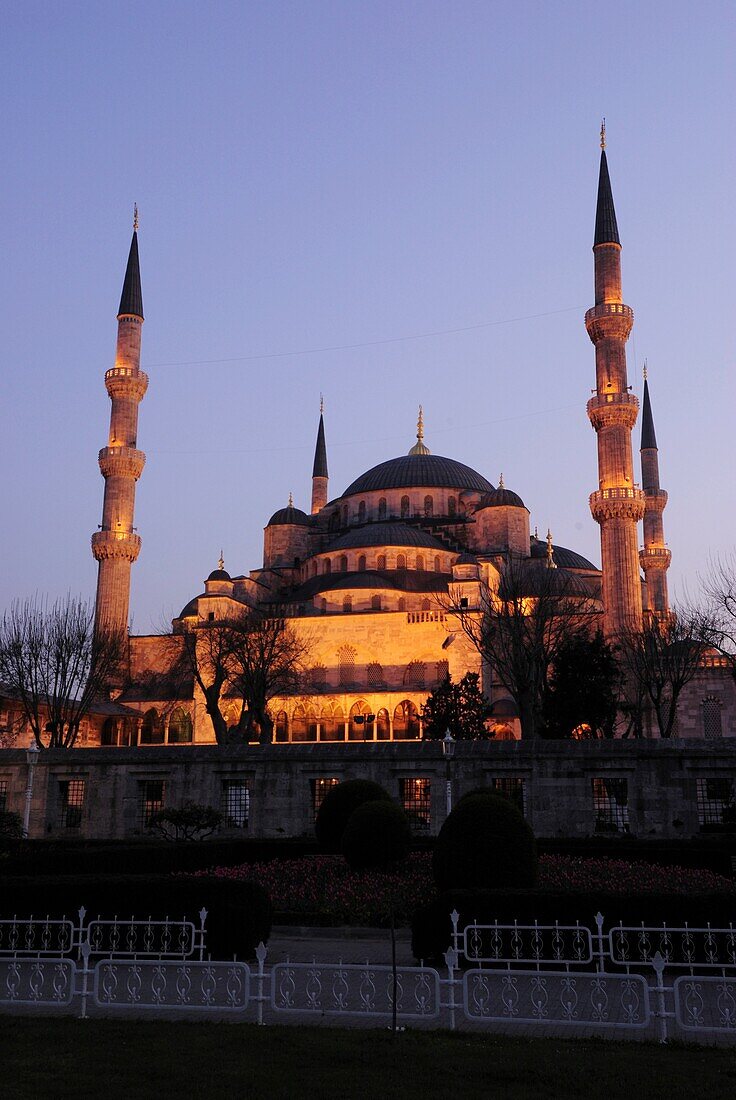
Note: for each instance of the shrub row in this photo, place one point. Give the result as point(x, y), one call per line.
point(431, 925)
point(239, 914)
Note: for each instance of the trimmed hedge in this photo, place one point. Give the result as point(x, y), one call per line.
point(431, 926)
point(377, 834)
point(239, 914)
point(337, 806)
point(485, 843)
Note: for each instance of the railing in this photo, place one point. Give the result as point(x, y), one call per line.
point(609, 309)
point(425, 616)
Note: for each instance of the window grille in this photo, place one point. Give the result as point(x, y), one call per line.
point(712, 725)
point(347, 666)
point(442, 670)
point(415, 673)
point(3, 795)
point(512, 787)
point(381, 561)
point(716, 802)
point(405, 505)
point(401, 561)
point(361, 563)
point(236, 803)
point(437, 564)
point(420, 563)
point(428, 506)
point(361, 512)
point(347, 603)
point(375, 675)
point(343, 563)
point(611, 805)
point(382, 508)
point(375, 603)
point(320, 787)
point(318, 678)
point(416, 800)
point(72, 802)
point(152, 793)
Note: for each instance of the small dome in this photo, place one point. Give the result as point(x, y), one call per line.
point(289, 515)
point(562, 557)
point(466, 559)
point(219, 575)
point(189, 609)
point(500, 498)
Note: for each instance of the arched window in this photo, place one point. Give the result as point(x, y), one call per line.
point(109, 734)
point(361, 512)
point(314, 568)
point(327, 565)
point(152, 730)
point(358, 728)
point(281, 727)
point(426, 605)
point(437, 564)
point(428, 506)
point(712, 724)
point(346, 655)
point(180, 728)
point(402, 603)
point(383, 725)
point(381, 561)
point(375, 603)
point(442, 669)
point(332, 725)
point(343, 563)
point(347, 603)
point(401, 561)
point(451, 506)
point(405, 506)
point(382, 508)
point(361, 563)
point(304, 724)
point(375, 675)
point(414, 675)
point(420, 562)
point(406, 722)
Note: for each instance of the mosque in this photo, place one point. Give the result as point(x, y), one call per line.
point(365, 574)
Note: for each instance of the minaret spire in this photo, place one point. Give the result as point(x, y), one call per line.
point(320, 475)
point(116, 545)
point(618, 504)
point(420, 447)
point(655, 557)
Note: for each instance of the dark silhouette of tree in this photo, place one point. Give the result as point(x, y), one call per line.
point(55, 666)
point(583, 689)
point(720, 591)
point(459, 707)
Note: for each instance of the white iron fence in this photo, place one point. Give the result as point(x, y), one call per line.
point(627, 980)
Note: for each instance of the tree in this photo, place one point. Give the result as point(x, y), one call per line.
point(720, 591)
point(55, 665)
point(460, 707)
point(191, 821)
point(662, 658)
point(519, 625)
point(583, 687)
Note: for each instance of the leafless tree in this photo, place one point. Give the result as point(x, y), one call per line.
point(661, 659)
point(55, 666)
point(719, 585)
point(518, 627)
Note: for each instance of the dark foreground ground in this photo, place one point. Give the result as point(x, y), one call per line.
point(110, 1059)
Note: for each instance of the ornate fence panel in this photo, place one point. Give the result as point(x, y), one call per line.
point(218, 987)
point(36, 936)
point(39, 981)
point(706, 1004)
point(503, 944)
point(559, 997)
point(340, 989)
point(680, 947)
point(121, 937)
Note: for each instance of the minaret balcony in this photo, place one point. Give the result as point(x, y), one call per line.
point(609, 319)
point(121, 462)
point(617, 503)
point(655, 557)
point(608, 409)
point(656, 499)
point(126, 382)
point(116, 544)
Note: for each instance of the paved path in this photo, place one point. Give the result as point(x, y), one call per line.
point(349, 945)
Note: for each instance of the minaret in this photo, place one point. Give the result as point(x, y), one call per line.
point(655, 557)
point(116, 545)
point(319, 470)
point(618, 504)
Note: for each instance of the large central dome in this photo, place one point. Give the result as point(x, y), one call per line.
point(419, 471)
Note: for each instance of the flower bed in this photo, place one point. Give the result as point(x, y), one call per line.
point(323, 889)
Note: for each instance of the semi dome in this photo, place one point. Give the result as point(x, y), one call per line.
point(289, 515)
point(564, 558)
point(384, 534)
point(424, 471)
point(219, 575)
point(501, 498)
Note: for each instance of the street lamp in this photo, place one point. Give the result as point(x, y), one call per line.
point(448, 751)
point(31, 758)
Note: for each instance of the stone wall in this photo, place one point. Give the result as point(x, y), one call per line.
point(558, 782)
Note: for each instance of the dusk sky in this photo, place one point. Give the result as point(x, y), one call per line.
point(385, 202)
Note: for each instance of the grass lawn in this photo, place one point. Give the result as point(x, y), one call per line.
point(58, 1058)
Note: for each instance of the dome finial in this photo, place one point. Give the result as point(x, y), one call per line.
point(221, 562)
point(291, 499)
point(500, 482)
point(603, 133)
point(550, 551)
point(420, 447)
point(135, 217)
point(321, 404)
point(644, 371)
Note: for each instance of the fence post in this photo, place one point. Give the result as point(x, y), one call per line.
point(599, 918)
point(201, 937)
point(85, 950)
point(658, 964)
point(261, 952)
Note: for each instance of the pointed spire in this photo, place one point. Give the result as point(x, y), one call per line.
point(131, 300)
point(420, 447)
point(606, 229)
point(221, 562)
point(319, 469)
point(551, 564)
point(648, 437)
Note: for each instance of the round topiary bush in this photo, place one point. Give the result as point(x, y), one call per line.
point(337, 806)
point(377, 834)
point(485, 844)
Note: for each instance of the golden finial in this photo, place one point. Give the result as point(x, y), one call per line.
point(536, 532)
point(500, 482)
point(420, 447)
point(135, 217)
point(420, 426)
point(644, 372)
point(603, 134)
point(291, 500)
point(550, 551)
point(221, 562)
point(321, 403)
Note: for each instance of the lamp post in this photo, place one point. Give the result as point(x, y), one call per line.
point(448, 751)
point(31, 758)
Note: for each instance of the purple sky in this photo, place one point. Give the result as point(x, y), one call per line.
point(314, 175)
